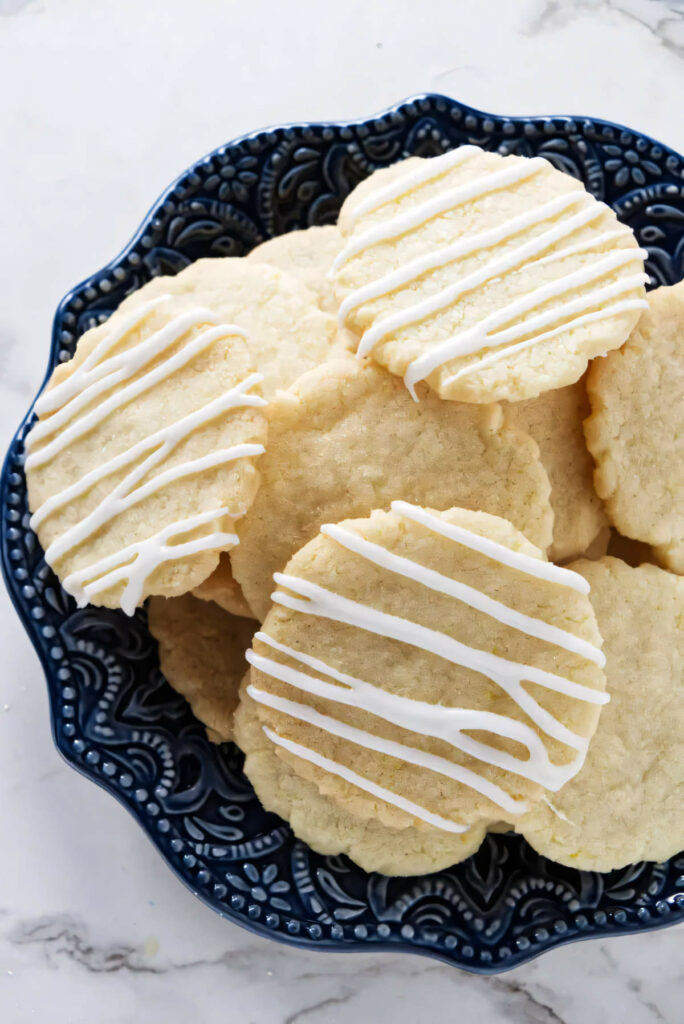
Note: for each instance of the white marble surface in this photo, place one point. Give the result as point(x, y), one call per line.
point(102, 103)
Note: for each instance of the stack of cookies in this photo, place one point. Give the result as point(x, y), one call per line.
point(405, 500)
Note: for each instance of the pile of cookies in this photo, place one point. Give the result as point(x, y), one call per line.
point(405, 499)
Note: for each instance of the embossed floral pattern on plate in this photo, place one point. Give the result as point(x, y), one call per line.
point(114, 716)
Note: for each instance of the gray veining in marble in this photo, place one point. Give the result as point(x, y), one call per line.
point(93, 928)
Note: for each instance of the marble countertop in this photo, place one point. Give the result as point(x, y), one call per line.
point(102, 104)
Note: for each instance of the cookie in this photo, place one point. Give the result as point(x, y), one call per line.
point(625, 805)
point(555, 422)
point(287, 332)
point(636, 429)
point(470, 669)
point(329, 828)
point(307, 255)
point(202, 655)
point(348, 438)
point(490, 277)
point(224, 590)
point(143, 455)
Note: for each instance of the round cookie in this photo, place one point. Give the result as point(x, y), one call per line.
point(307, 255)
point(331, 829)
point(143, 455)
point(287, 332)
point(626, 803)
point(469, 667)
point(202, 655)
point(224, 590)
point(636, 429)
point(554, 420)
point(348, 438)
point(490, 277)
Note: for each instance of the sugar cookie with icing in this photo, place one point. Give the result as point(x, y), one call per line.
point(287, 332)
point(636, 429)
point(625, 805)
point(144, 453)
point(554, 420)
point(489, 277)
point(348, 438)
point(329, 828)
point(428, 670)
point(307, 255)
point(202, 654)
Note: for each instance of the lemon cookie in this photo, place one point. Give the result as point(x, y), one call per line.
point(143, 455)
point(428, 669)
point(202, 654)
point(287, 332)
point(626, 803)
point(224, 590)
point(490, 277)
point(348, 438)
point(306, 254)
point(555, 422)
point(636, 429)
point(329, 828)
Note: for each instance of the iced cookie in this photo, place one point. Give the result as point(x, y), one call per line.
point(224, 590)
point(489, 277)
point(626, 803)
point(348, 438)
point(202, 654)
point(555, 422)
point(143, 455)
point(428, 669)
point(329, 828)
point(287, 332)
point(636, 429)
point(306, 254)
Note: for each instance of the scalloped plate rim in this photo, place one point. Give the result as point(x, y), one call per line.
point(257, 927)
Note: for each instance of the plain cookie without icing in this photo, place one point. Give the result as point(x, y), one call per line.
point(430, 621)
point(224, 590)
point(348, 438)
point(554, 420)
point(308, 255)
point(626, 803)
point(490, 277)
point(202, 655)
point(143, 455)
point(287, 333)
point(636, 429)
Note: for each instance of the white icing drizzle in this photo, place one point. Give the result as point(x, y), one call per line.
point(437, 720)
point(518, 560)
point(74, 415)
point(85, 423)
point(441, 203)
point(427, 171)
point(477, 337)
point(465, 246)
point(143, 558)
point(508, 675)
point(613, 309)
point(450, 724)
point(84, 374)
point(498, 266)
point(159, 444)
point(416, 810)
point(410, 755)
point(484, 334)
point(462, 592)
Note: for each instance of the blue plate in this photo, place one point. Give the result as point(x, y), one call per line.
point(115, 718)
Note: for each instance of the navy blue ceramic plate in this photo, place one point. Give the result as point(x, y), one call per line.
point(115, 718)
